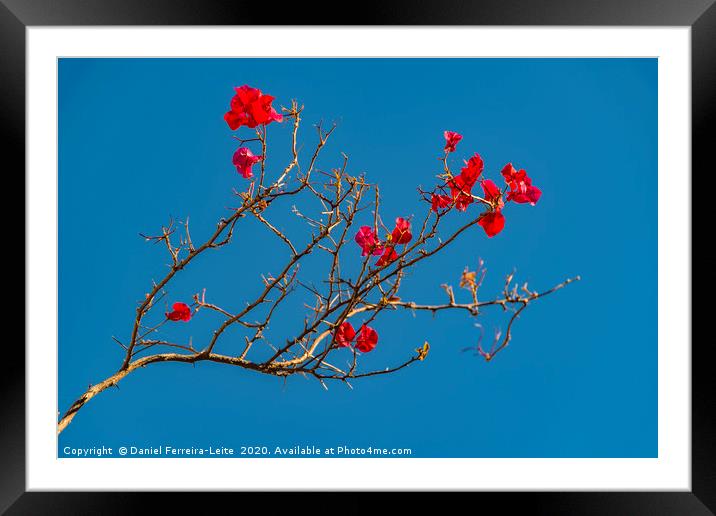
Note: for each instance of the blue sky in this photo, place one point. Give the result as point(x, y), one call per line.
point(143, 139)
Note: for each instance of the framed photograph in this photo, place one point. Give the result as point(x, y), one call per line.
point(437, 250)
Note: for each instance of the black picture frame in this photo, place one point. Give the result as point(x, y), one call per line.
point(700, 15)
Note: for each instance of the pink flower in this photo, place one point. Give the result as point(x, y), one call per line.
point(440, 201)
point(368, 242)
point(180, 312)
point(451, 140)
point(401, 234)
point(492, 222)
point(367, 339)
point(521, 189)
point(250, 107)
point(244, 159)
point(344, 334)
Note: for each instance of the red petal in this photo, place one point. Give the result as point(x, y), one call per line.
point(401, 234)
point(439, 201)
point(508, 172)
point(367, 339)
point(472, 170)
point(275, 116)
point(451, 140)
point(534, 193)
point(180, 312)
point(490, 188)
point(492, 222)
point(246, 94)
point(344, 334)
point(235, 120)
point(258, 112)
point(461, 192)
point(389, 256)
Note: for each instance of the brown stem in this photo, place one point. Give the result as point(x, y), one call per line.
point(114, 379)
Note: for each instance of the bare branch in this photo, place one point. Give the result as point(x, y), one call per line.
point(333, 204)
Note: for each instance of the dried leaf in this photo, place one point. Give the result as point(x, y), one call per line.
point(467, 280)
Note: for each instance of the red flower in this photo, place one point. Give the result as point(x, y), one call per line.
point(180, 312)
point(389, 256)
point(461, 192)
point(472, 169)
point(251, 108)
point(461, 185)
point(401, 234)
point(492, 222)
point(451, 139)
point(366, 239)
point(244, 159)
point(344, 334)
point(440, 201)
point(367, 339)
point(521, 189)
point(492, 193)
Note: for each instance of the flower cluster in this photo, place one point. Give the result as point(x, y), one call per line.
point(370, 244)
point(345, 334)
point(521, 189)
point(518, 188)
point(251, 108)
point(461, 185)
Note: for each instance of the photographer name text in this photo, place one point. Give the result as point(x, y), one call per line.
point(224, 451)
